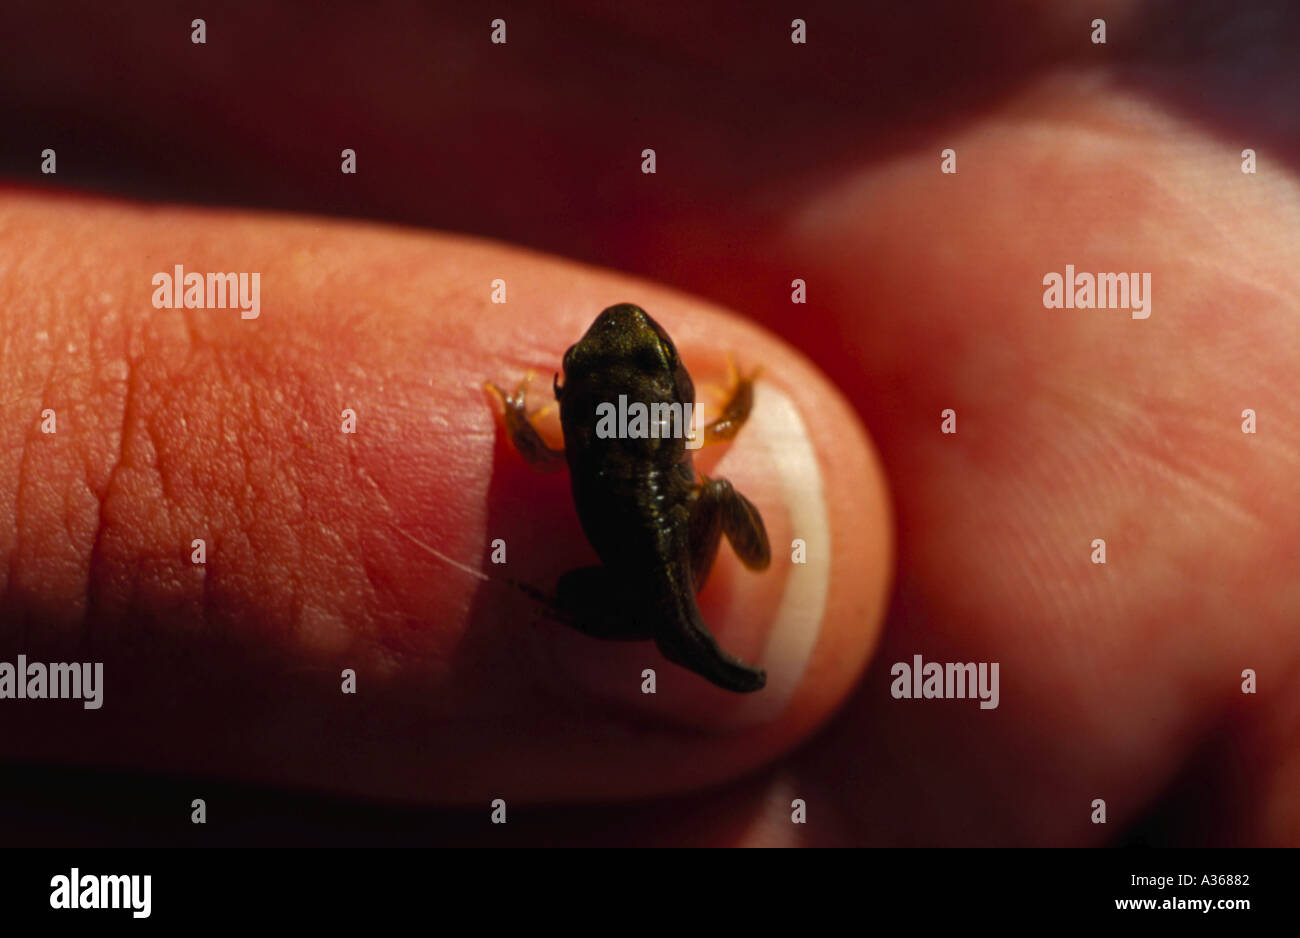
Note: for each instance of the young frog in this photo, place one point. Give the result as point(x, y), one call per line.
point(654, 527)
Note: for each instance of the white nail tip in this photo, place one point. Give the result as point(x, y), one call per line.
point(798, 619)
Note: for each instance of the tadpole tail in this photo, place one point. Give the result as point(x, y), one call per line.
point(689, 643)
point(693, 646)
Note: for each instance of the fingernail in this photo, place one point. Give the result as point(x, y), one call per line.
point(797, 622)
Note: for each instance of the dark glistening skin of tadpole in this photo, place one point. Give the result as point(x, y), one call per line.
point(654, 527)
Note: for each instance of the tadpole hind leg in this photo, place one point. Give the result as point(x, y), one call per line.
point(719, 509)
point(595, 605)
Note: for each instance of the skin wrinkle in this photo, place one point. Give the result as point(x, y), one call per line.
point(214, 522)
point(187, 320)
point(1194, 478)
point(368, 568)
point(1226, 239)
point(296, 591)
point(171, 496)
point(167, 392)
point(367, 565)
point(156, 437)
point(1038, 571)
point(41, 405)
point(97, 571)
point(1164, 463)
point(243, 495)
